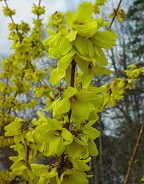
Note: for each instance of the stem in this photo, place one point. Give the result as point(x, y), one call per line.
point(27, 157)
point(11, 17)
point(69, 116)
point(39, 4)
point(8, 7)
point(27, 153)
point(115, 14)
point(73, 66)
point(133, 157)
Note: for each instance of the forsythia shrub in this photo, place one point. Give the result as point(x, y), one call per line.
point(76, 41)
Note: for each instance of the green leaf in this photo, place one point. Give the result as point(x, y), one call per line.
point(64, 31)
point(54, 124)
point(56, 75)
point(56, 146)
point(81, 45)
point(96, 89)
point(86, 79)
point(84, 12)
point(46, 136)
point(14, 128)
point(74, 150)
point(50, 174)
point(86, 96)
point(83, 64)
point(93, 116)
point(65, 61)
point(65, 46)
point(68, 75)
point(86, 58)
point(55, 40)
point(40, 114)
point(72, 35)
point(70, 17)
point(82, 109)
point(92, 148)
point(87, 29)
point(43, 179)
point(97, 69)
point(80, 142)
point(105, 39)
point(39, 169)
point(18, 166)
point(92, 132)
point(81, 164)
point(67, 136)
point(100, 56)
point(29, 136)
point(70, 91)
point(61, 106)
point(97, 51)
point(103, 60)
point(50, 31)
point(90, 48)
point(53, 52)
point(73, 177)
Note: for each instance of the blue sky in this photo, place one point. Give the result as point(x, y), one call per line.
point(23, 12)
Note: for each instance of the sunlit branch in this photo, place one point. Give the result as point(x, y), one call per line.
point(115, 13)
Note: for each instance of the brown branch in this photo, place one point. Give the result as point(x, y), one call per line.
point(115, 13)
point(73, 64)
point(72, 81)
point(133, 157)
point(27, 153)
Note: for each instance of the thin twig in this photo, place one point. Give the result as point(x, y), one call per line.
point(73, 64)
point(72, 82)
point(133, 157)
point(27, 157)
point(39, 4)
point(8, 7)
point(115, 13)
